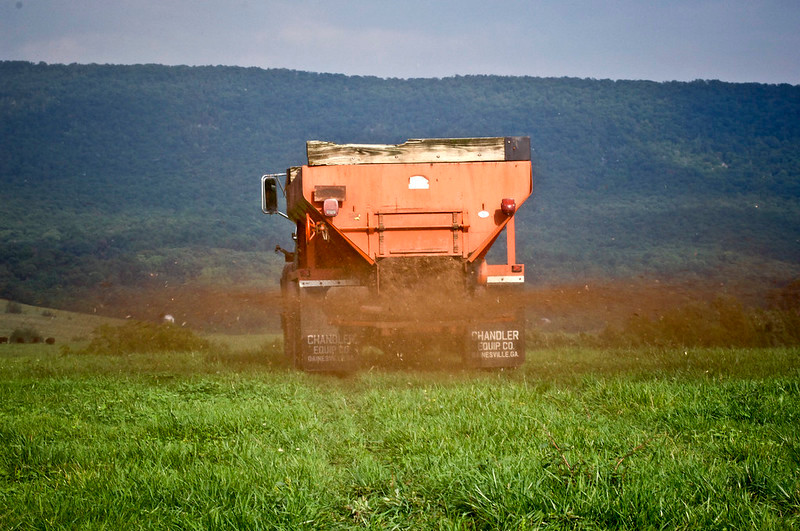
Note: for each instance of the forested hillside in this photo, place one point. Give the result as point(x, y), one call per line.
point(116, 177)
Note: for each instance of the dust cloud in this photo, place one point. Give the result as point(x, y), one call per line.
point(418, 318)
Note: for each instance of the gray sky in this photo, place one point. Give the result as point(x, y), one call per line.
point(734, 40)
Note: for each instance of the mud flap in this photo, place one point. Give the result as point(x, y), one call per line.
point(323, 346)
point(496, 343)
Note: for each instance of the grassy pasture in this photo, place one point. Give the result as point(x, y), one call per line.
point(583, 438)
point(62, 325)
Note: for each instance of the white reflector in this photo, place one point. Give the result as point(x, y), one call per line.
point(418, 182)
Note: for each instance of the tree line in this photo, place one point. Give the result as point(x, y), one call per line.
point(111, 172)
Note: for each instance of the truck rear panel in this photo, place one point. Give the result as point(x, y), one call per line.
point(390, 252)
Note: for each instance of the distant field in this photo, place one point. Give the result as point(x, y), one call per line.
point(575, 438)
point(73, 327)
point(62, 325)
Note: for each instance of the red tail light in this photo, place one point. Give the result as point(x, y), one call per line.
point(508, 206)
point(330, 207)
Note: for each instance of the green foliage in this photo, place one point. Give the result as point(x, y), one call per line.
point(13, 307)
point(142, 337)
point(25, 334)
point(170, 442)
point(108, 171)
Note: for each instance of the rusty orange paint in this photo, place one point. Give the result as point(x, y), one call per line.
point(429, 209)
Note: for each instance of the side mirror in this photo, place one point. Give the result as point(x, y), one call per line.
point(269, 194)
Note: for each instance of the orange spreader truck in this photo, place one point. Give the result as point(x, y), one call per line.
point(390, 252)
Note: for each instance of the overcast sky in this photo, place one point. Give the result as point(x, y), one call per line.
point(733, 40)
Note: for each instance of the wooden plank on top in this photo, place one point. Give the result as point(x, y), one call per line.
point(413, 151)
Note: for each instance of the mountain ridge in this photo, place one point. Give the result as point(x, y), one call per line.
point(118, 175)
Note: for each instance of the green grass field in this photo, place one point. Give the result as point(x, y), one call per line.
point(575, 438)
